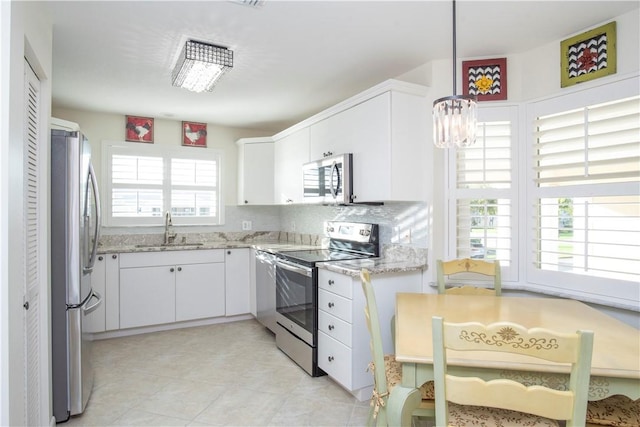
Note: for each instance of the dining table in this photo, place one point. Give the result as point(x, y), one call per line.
point(615, 366)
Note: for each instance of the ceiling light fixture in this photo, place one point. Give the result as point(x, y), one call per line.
point(454, 117)
point(200, 65)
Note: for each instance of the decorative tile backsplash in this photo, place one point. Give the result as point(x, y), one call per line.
point(400, 223)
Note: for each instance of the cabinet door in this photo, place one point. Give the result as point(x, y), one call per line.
point(290, 153)
point(365, 131)
point(199, 291)
point(255, 173)
point(253, 307)
point(112, 292)
point(147, 296)
point(237, 281)
point(95, 321)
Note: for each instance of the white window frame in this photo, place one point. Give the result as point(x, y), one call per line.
point(618, 293)
point(110, 148)
point(504, 112)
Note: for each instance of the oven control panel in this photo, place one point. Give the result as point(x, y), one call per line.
point(352, 231)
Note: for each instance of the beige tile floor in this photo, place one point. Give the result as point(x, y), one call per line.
point(220, 375)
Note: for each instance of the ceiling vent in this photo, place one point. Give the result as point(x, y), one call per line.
point(250, 3)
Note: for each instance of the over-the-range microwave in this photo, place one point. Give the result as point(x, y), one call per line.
point(328, 180)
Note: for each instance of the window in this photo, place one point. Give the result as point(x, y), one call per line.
point(585, 202)
point(144, 181)
point(483, 192)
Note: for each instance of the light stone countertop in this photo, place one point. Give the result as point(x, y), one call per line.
point(374, 265)
point(393, 258)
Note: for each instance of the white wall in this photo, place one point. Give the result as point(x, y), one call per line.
point(26, 32)
point(99, 126)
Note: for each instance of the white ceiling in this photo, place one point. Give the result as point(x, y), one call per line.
point(292, 59)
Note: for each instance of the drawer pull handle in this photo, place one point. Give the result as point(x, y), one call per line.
point(331, 282)
point(114, 256)
point(331, 327)
point(179, 268)
point(330, 304)
point(330, 358)
point(172, 269)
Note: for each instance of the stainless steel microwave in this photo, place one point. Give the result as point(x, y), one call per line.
point(328, 180)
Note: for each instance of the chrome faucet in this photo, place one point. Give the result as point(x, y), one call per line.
point(169, 237)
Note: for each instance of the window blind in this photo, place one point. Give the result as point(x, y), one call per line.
point(586, 173)
point(483, 194)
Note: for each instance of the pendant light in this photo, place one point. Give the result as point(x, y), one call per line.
point(454, 117)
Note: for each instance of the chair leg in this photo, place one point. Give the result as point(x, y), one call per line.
point(401, 404)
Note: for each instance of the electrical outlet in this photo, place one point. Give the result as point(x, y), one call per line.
point(246, 225)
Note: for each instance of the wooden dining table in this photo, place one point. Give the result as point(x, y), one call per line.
point(615, 367)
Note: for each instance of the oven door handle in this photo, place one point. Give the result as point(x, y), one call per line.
point(305, 271)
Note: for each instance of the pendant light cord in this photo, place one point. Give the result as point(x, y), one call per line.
point(454, 47)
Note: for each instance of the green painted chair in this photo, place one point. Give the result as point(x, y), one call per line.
point(465, 269)
point(385, 379)
point(466, 399)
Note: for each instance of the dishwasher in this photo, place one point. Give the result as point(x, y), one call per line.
point(266, 289)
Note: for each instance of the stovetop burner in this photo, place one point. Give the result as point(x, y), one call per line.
point(348, 241)
point(310, 257)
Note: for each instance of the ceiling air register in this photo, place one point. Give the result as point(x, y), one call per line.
point(200, 65)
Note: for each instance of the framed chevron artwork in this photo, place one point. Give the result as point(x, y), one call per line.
point(485, 78)
point(589, 55)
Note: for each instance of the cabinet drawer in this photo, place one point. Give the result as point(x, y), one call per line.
point(335, 359)
point(334, 327)
point(335, 305)
point(150, 259)
point(335, 282)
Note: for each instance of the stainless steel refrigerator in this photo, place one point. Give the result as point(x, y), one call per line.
point(75, 230)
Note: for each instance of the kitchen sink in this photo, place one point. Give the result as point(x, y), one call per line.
point(169, 245)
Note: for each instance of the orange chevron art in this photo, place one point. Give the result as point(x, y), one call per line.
point(485, 78)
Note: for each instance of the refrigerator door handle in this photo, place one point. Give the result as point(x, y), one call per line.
point(96, 233)
point(89, 308)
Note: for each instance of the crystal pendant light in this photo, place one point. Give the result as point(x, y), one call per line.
point(454, 117)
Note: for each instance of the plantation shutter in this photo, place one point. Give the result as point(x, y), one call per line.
point(482, 201)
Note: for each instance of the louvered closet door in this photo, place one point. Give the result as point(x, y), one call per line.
point(32, 257)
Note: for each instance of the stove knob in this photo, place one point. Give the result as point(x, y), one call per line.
point(331, 327)
point(330, 358)
point(331, 282)
point(330, 305)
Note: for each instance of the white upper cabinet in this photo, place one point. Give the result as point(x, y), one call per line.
point(290, 153)
point(255, 171)
point(385, 128)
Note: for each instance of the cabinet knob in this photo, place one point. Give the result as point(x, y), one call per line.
point(114, 256)
point(228, 252)
point(331, 282)
point(331, 327)
point(330, 358)
point(330, 304)
point(172, 269)
point(179, 268)
point(289, 201)
point(100, 258)
point(246, 201)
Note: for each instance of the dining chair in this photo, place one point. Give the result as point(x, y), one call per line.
point(616, 410)
point(385, 379)
point(464, 399)
point(468, 268)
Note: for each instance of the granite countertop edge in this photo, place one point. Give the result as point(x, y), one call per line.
point(375, 266)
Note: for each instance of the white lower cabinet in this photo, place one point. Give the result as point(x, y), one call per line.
point(165, 287)
point(237, 289)
point(147, 296)
point(343, 337)
point(104, 281)
point(197, 298)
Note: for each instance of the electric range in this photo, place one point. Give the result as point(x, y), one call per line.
point(297, 287)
